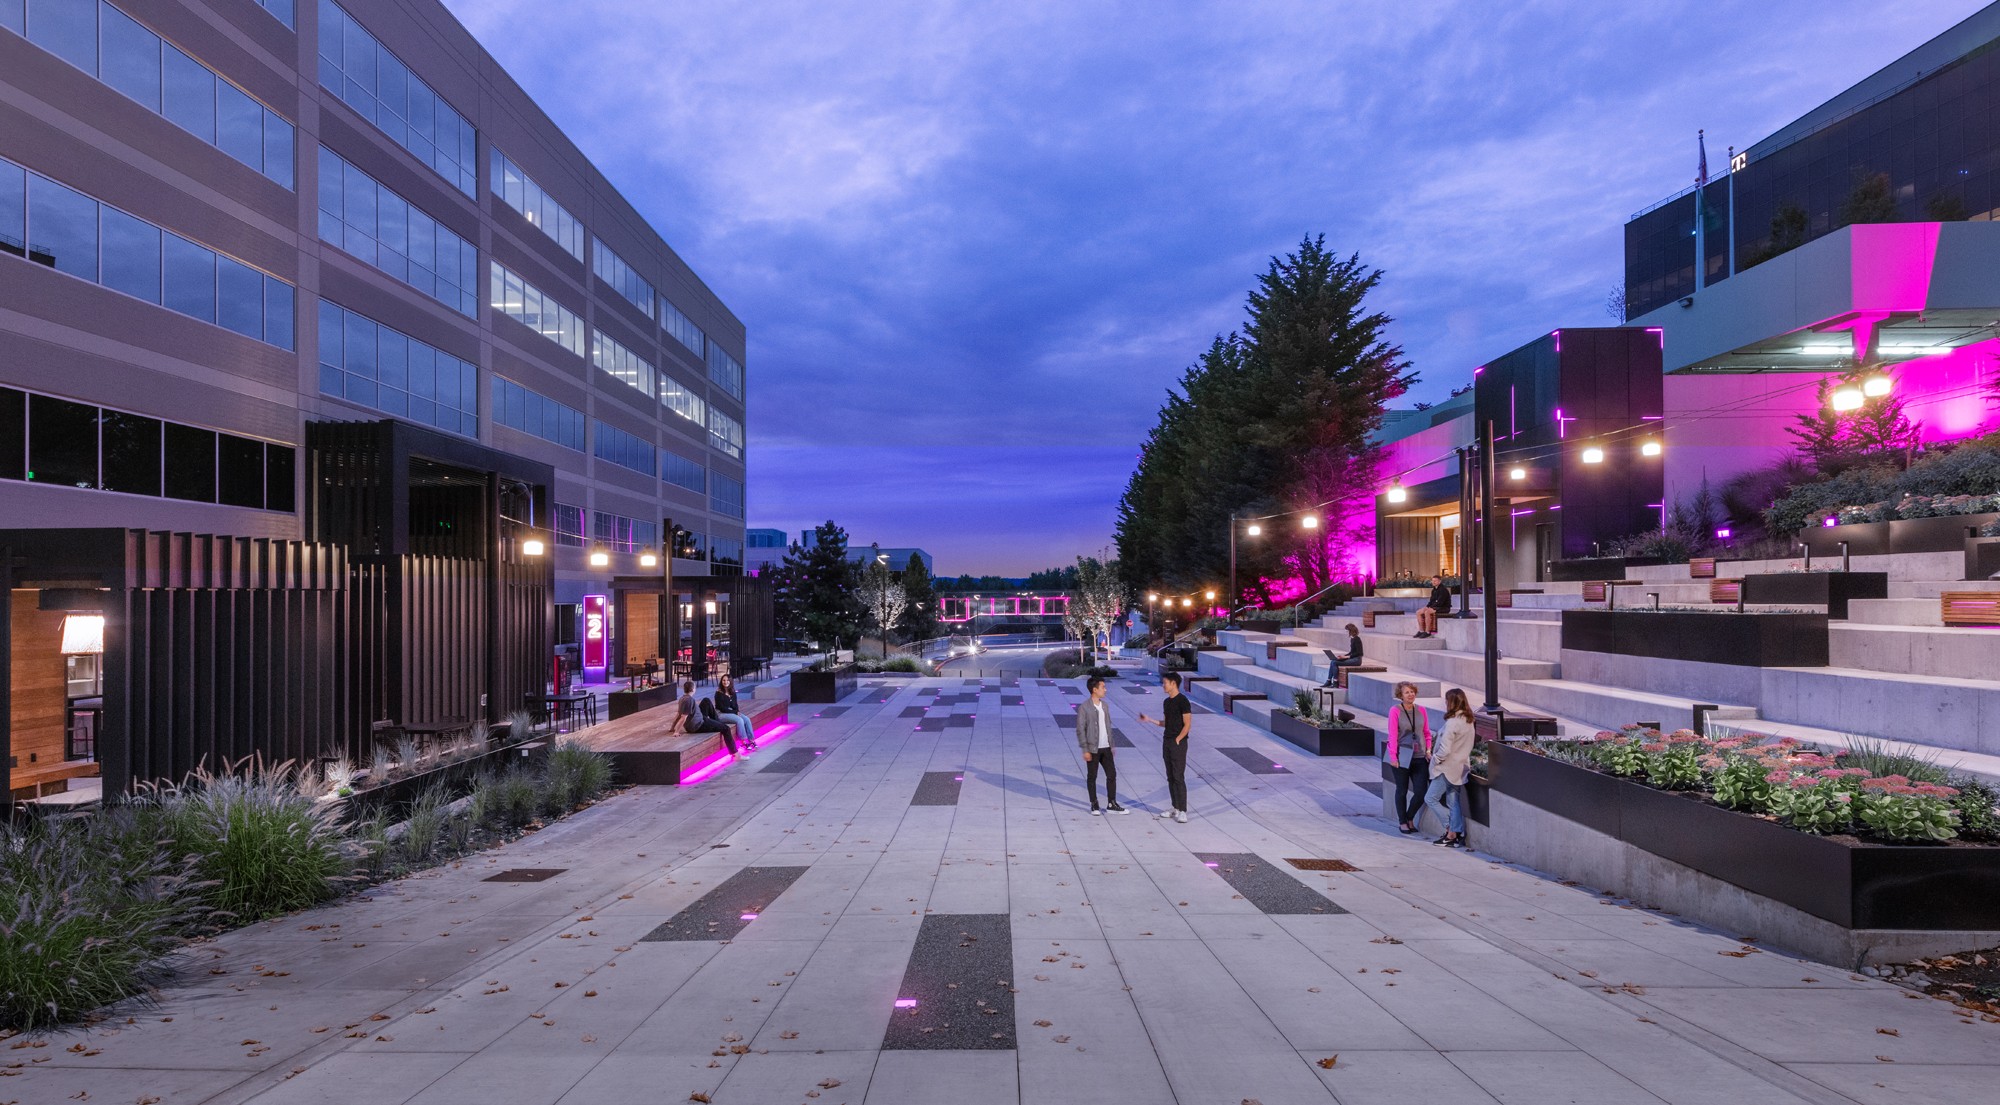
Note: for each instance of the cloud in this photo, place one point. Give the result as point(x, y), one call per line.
point(1007, 227)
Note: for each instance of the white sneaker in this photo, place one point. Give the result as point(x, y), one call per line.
point(1095, 812)
point(1180, 816)
point(1165, 813)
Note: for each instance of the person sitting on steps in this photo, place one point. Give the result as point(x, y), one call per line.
point(1427, 618)
point(1351, 659)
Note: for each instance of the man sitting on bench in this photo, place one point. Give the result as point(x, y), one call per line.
point(698, 717)
point(1440, 603)
point(1335, 662)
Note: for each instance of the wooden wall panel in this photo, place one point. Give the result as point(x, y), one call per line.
point(37, 675)
point(641, 632)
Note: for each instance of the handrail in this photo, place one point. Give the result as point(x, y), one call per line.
point(1300, 605)
point(1176, 642)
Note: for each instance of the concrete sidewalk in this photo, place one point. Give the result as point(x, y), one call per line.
point(925, 911)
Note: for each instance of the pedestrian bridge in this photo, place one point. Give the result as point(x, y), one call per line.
point(1018, 605)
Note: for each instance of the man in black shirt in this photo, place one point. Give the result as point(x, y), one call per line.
point(1174, 733)
point(1440, 603)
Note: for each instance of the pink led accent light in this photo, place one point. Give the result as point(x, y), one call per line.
point(906, 1003)
point(748, 917)
point(1829, 523)
point(1558, 335)
point(1211, 864)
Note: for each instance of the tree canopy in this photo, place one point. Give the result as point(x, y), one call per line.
point(1273, 419)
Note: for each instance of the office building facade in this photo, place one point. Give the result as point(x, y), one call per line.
point(225, 223)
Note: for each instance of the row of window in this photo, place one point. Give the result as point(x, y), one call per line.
point(281, 10)
point(682, 328)
point(515, 189)
point(532, 412)
point(377, 85)
point(620, 363)
point(384, 369)
point(55, 225)
point(525, 304)
point(726, 371)
point(621, 534)
point(725, 434)
point(55, 441)
point(568, 525)
point(726, 496)
point(682, 472)
point(613, 270)
point(609, 443)
point(361, 215)
point(676, 397)
point(726, 550)
point(116, 49)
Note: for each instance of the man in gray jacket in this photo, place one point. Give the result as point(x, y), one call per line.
point(1093, 736)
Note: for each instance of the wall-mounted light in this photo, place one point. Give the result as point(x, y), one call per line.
point(599, 558)
point(1848, 398)
point(1593, 455)
point(1876, 386)
point(1310, 521)
point(649, 559)
point(533, 546)
point(1650, 448)
point(1724, 533)
point(708, 607)
point(82, 634)
point(1517, 473)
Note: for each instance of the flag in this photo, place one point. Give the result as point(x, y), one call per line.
point(1701, 170)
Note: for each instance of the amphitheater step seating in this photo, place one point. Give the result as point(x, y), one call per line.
point(1935, 710)
point(1925, 612)
point(1958, 653)
point(1613, 707)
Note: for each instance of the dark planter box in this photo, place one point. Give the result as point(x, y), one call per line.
point(1260, 626)
point(1863, 539)
point(400, 793)
point(1495, 727)
point(1478, 799)
point(1851, 883)
point(625, 703)
point(822, 686)
point(1746, 640)
point(1909, 535)
point(1829, 589)
point(1341, 740)
point(1982, 557)
point(1585, 569)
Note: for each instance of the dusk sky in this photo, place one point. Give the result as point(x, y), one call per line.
point(975, 243)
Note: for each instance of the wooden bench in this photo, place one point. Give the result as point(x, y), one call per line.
point(1970, 607)
point(1368, 619)
point(41, 779)
point(1231, 698)
point(1506, 598)
point(1341, 674)
point(1725, 590)
point(1701, 567)
point(645, 753)
point(1600, 590)
point(1272, 646)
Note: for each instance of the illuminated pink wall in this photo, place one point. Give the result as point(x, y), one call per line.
point(1720, 425)
point(1949, 396)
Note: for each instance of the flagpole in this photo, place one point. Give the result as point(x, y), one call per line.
point(1700, 232)
point(1732, 211)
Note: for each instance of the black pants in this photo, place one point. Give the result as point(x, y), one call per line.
point(1412, 783)
point(1102, 756)
point(1175, 754)
point(728, 733)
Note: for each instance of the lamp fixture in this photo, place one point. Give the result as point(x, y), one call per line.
point(1209, 595)
point(1650, 448)
point(1150, 597)
point(82, 634)
point(1397, 492)
point(1517, 473)
point(533, 546)
point(1310, 521)
point(1254, 529)
point(1848, 398)
point(708, 607)
point(649, 559)
point(599, 558)
point(1876, 386)
point(1187, 602)
point(1593, 455)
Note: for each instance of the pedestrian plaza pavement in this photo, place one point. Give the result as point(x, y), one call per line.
point(874, 910)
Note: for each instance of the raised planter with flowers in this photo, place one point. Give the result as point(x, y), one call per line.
point(1832, 590)
point(1884, 861)
point(1778, 639)
point(1323, 739)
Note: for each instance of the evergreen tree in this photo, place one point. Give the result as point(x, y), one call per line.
point(826, 604)
point(1835, 441)
point(920, 618)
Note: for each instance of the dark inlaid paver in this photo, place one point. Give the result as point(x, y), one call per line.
point(791, 761)
point(932, 725)
point(1265, 885)
point(957, 992)
point(1011, 700)
point(833, 711)
point(1255, 762)
point(938, 788)
point(912, 711)
point(959, 721)
point(729, 908)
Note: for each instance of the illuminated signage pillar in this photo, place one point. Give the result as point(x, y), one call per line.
point(595, 639)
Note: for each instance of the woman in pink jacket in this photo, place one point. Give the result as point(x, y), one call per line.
point(1407, 751)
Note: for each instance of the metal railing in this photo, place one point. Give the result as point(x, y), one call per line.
point(1301, 604)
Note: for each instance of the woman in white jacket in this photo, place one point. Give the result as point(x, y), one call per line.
point(1451, 763)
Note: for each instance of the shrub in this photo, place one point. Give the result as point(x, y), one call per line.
point(1743, 784)
point(92, 910)
point(1811, 804)
point(572, 776)
point(1801, 505)
point(1913, 816)
point(507, 799)
point(265, 848)
point(1977, 817)
point(1676, 766)
point(426, 823)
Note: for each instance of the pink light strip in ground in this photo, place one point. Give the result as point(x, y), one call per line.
point(722, 756)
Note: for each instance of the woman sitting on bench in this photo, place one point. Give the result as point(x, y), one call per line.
point(1351, 659)
point(699, 717)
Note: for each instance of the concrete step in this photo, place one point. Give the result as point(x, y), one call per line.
point(1375, 692)
point(1935, 710)
point(1955, 652)
point(1527, 639)
point(1612, 707)
point(1468, 669)
point(1932, 588)
point(1275, 685)
point(1895, 612)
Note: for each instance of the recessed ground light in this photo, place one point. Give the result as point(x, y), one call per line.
point(906, 1003)
point(1210, 863)
point(748, 917)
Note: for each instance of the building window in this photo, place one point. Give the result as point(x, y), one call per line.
point(516, 190)
point(613, 270)
point(361, 215)
point(382, 90)
point(726, 496)
point(55, 225)
point(678, 398)
point(689, 545)
point(625, 450)
point(725, 434)
point(725, 553)
point(621, 534)
point(375, 366)
point(725, 370)
point(620, 363)
point(119, 51)
point(532, 412)
point(682, 472)
point(281, 10)
point(683, 329)
point(44, 439)
point(525, 304)
point(569, 525)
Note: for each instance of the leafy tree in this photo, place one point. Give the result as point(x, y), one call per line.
point(1099, 599)
point(882, 593)
point(1873, 200)
point(1789, 225)
point(920, 617)
point(826, 605)
point(1835, 441)
point(1946, 208)
point(1051, 579)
